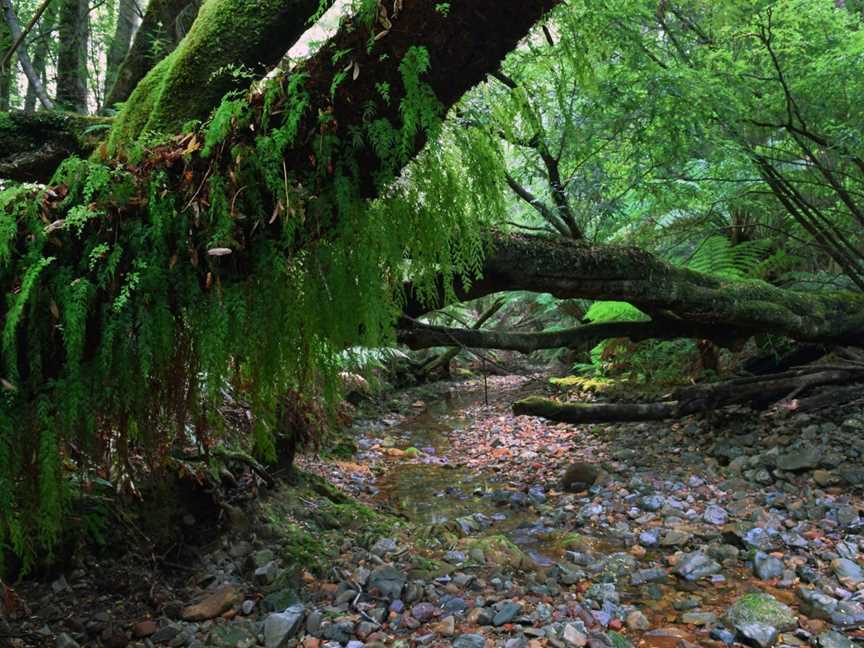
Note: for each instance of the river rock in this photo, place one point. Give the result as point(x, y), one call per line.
point(833, 639)
point(423, 612)
point(220, 601)
point(696, 565)
point(580, 476)
point(387, 580)
point(280, 627)
point(506, 613)
point(767, 567)
point(800, 459)
point(817, 604)
point(760, 608)
point(469, 641)
point(65, 641)
point(758, 634)
point(847, 570)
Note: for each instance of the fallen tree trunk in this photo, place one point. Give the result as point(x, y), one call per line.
point(712, 307)
point(32, 145)
point(417, 335)
point(760, 391)
point(244, 255)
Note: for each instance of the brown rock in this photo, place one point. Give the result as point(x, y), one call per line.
point(446, 626)
point(580, 476)
point(144, 628)
point(218, 602)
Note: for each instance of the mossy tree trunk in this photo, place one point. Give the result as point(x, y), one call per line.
point(227, 37)
point(154, 40)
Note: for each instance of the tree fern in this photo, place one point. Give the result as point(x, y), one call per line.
point(719, 257)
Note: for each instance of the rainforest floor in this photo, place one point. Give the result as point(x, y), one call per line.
point(442, 520)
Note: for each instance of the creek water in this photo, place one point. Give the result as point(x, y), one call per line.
point(437, 488)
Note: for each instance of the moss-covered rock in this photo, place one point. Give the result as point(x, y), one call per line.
point(761, 608)
point(497, 550)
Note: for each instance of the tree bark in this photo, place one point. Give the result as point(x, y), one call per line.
point(190, 82)
point(40, 50)
point(33, 144)
point(573, 269)
point(691, 400)
point(23, 57)
point(5, 73)
point(156, 25)
point(128, 21)
point(72, 56)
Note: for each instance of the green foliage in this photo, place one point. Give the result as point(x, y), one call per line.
point(178, 326)
point(718, 256)
point(613, 311)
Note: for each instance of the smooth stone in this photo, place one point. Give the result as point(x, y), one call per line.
point(506, 613)
point(758, 634)
point(469, 641)
point(767, 567)
point(833, 639)
point(846, 569)
point(696, 565)
point(800, 459)
point(387, 580)
point(280, 627)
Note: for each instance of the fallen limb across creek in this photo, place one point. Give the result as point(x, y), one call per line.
point(760, 390)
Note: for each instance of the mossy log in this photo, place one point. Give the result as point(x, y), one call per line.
point(33, 144)
point(680, 299)
point(227, 37)
point(417, 335)
point(759, 391)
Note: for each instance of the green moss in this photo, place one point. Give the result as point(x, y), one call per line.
point(312, 519)
point(497, 550)
point(230, 42)
point(763, 608)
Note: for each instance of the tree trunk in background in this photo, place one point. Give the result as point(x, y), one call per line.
point(40, 53)
point(128, 22)
point(5, 75)
point(156, 37)
point(14, 28)
point(72, 56)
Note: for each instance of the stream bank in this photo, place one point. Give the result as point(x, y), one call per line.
point(738, 529)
